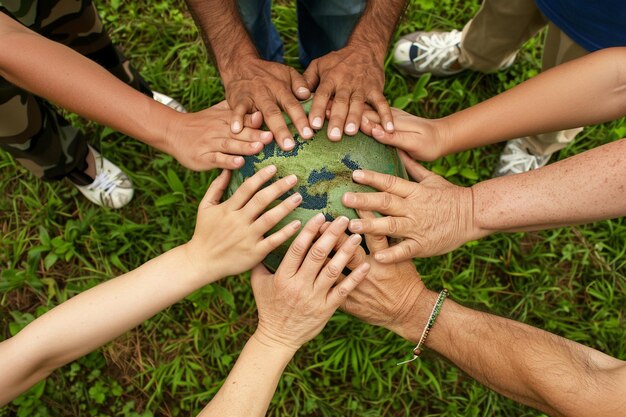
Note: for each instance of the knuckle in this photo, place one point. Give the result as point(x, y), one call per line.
point(393, 225)
point(389, 181)
point(386, 201)
point(318, 254)
point(343, 291)
point(298, 249)
point(332, 270)
point(407, 252)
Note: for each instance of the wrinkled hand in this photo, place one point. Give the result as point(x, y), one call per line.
point(433, 215)
point(229, 237)
point(202, 141)
point(269, 87)
point(423, 139)
point(350, 77)
point(296, 303)
point(388, 296)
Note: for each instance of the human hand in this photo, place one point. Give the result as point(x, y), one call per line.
point(203, 140)
point(390, 296)
point(423, 139)
point(350, 77)
point(296, 303)
point(433, 215)
point(270, 87)
point(229, 237)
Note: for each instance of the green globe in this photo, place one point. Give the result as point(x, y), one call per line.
point(324, 171)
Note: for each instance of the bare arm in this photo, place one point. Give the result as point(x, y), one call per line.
point(294, 305)
point(200, 141)
point(354, 75)
point(435, 216)
point(251, 83)
point(589, 90)
point(223, 233)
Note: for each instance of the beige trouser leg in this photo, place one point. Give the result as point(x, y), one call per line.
point(558, 49)
point(497, 32)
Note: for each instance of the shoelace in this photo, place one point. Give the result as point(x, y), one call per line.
point(104, 182)
point(519, 161)
point(438, 49)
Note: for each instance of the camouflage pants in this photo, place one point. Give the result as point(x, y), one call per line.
point(31, 130)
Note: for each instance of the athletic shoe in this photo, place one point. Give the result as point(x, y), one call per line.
point(168, 101)
point(516, 159)
point(110, 187)
point(432, 52)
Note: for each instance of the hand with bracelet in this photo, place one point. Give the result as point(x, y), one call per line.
point(534, 367)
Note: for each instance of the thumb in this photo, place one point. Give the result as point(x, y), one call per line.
point(216, 190)
point(311, 75)
point(415, 170)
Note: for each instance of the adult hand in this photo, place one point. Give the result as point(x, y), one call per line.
point(295, 304)
point(388, 296)
point(423, 139)
point(433, 215)
point(269, 87)
point(350, 77)
point(202, 141)
point(229, 237)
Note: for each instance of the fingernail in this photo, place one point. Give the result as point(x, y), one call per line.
point(378, 132)
point(255, 145)
point(288, 144)
point(271, 169)
point(348, 198)
point(295, 224)
point(335, 133)
point(319, 218)
point(355, 239)
point(351, 128)
point(364, 267)
point(238, 160)
point(358, 174)
point(317, 122)
point(266, 135)
point(296, 198)
point(380, 257)
point(302, 90)
point(342, 221)
point(356, 225)
point(389, 126)
point(307, 132)
point(291, 180)
point(236, 126)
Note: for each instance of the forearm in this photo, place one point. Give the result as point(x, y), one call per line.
point(223, 32)
point(250, 385)
point(589, 90)
point(61, 75)
point(376, 26)
point(581, 189)
point(94, 318)
point(529, 365)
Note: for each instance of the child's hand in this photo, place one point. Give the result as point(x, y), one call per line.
point(229, 237)
point(295, 304)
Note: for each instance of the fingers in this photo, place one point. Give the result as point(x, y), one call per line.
point(355, 114)
point(210, 160)
point(384, 203)
point(269, 194)
point(317, 114)
point(385, 226)
point(415, 170)
point(299, 85)
point(214, 194)
point(300, 247)
point(271, 218)
point(251, 186)
point(340, 292)
point(382, 182)
point(275, 121)
point(338, 114)
point(311, 75)
point(375, 243)
point(316, 257)
point(296, 113)
point(276, 239)
point(403, 251)
point(357, 258)
point(254, 120)
point(237, 119)
point(244, 146)
point(332, 271)
point(379, 102)
point(260, 272)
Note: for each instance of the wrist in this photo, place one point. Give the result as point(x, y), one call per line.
point(444, 132)
point(482, 207)
point(413, 322)
point(202, 266)
point(274, 343)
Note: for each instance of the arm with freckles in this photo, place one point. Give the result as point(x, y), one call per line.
point(200, 141)
point(224, 233)
point(588, 90)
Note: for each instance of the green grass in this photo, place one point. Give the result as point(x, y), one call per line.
point(54, 244)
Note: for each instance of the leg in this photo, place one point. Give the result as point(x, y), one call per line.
point(257, 18)
point(325, 26)
point(492, 38)
point(558, 49)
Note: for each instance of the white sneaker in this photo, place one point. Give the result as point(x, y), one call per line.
point(168, 101)
point(516, 159)
point(110, 188)
point(420, 52)
point(432, 52)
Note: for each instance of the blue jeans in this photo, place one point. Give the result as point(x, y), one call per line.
point(323, 26)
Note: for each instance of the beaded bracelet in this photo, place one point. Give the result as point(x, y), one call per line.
point(431, 321)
